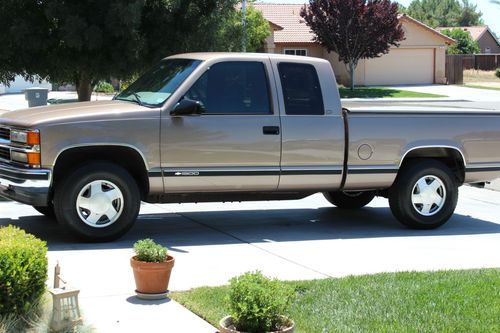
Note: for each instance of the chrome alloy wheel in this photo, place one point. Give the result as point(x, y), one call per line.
point(428, 195)
point(100, 203)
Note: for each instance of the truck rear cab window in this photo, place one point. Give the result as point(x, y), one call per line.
point(235, 87)
point(301, 89)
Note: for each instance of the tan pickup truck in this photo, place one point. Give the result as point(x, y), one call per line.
point(232, 127)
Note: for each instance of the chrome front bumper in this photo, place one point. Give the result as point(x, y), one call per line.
point(28, 186)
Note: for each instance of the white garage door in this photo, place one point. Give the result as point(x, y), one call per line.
point(401, 66)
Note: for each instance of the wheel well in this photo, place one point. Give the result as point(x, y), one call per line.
point(126, 157)
point(451, 157)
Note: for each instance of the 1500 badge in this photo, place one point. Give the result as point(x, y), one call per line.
point(187, 173)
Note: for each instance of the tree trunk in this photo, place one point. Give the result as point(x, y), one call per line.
point(352, 67)
point(84, 87)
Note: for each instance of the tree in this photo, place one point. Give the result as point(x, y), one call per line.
point(469, 15)
point(84, 41)
point(445, 13)
point(257, 30)
point(354, 29)
point(464, 42)
point(227, 32)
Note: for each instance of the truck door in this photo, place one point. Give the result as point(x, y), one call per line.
point(235, 144)
point(312, 126)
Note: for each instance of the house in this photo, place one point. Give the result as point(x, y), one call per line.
point(482, 35)
point(420, 59)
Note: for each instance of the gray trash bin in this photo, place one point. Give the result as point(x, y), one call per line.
point(36, 96)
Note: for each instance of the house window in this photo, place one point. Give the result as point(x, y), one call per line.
point(299, 52)
point(487, 50)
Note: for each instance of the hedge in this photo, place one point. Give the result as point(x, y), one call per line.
point(23, 270)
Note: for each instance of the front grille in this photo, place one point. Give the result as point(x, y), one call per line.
point(4, 133)
point(5, 153)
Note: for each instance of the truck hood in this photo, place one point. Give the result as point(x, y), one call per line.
point(84, 111)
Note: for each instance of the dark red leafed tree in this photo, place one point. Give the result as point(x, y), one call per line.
point(354, 29)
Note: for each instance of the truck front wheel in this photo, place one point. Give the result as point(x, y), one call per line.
point(350, 199)
point(46, 210)
point(98, 202)
point(424, 195)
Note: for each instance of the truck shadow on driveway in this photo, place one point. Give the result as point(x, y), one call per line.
point(254, 226)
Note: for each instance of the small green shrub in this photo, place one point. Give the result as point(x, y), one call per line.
point(497, 72)
point(23, 270)
point(149, 251)
point(258, 303)
point(104, 87)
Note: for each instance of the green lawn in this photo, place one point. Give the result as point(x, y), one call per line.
point(447, 301)
point(362, 92)
point(480, 87)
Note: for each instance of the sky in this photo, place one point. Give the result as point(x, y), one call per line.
point(491, 12)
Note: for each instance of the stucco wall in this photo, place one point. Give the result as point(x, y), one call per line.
point(313, 50)
point(416, 37)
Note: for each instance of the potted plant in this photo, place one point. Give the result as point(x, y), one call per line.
point(257, 304)
point(152, 267)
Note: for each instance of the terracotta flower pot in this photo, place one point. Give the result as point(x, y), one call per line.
point(152, 277)
point(226, 325)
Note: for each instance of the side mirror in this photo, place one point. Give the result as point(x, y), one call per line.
point(187, 107)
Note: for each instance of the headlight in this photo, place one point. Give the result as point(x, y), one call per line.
point(31, 158)
point(27, 137)
point(18, 136)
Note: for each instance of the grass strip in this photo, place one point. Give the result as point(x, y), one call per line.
point(443, 301)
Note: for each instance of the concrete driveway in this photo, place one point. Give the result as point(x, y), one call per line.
point(304, 239)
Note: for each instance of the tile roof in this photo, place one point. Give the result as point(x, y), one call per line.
point(475, 32)
point(295, 29)
point(287, 16)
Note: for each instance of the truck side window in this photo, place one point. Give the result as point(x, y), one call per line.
point(301, 89)
point(236, 87)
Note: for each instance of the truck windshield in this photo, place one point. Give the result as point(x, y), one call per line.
point(154, 87)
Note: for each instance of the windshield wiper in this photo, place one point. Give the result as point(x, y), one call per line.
point(136, 99)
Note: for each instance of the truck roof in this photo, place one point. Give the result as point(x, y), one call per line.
point(243, 56)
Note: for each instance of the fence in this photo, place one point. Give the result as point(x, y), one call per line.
point(485, 62)
point(455, 68)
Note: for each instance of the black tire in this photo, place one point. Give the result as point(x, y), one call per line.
point(46, 210)
point(351, 199)
point(73, 186)
point(413, 214)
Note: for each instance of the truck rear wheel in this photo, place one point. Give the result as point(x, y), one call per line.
point(98, 202)
point(424, 195)
point(350, 199)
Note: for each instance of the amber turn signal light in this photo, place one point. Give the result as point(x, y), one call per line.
point(33, 138)
point(34, 159)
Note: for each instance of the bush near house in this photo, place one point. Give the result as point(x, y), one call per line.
point(258, 303)
point(497, 72)
point(23, 270)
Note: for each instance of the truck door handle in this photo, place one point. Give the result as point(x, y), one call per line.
point(271, 130)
